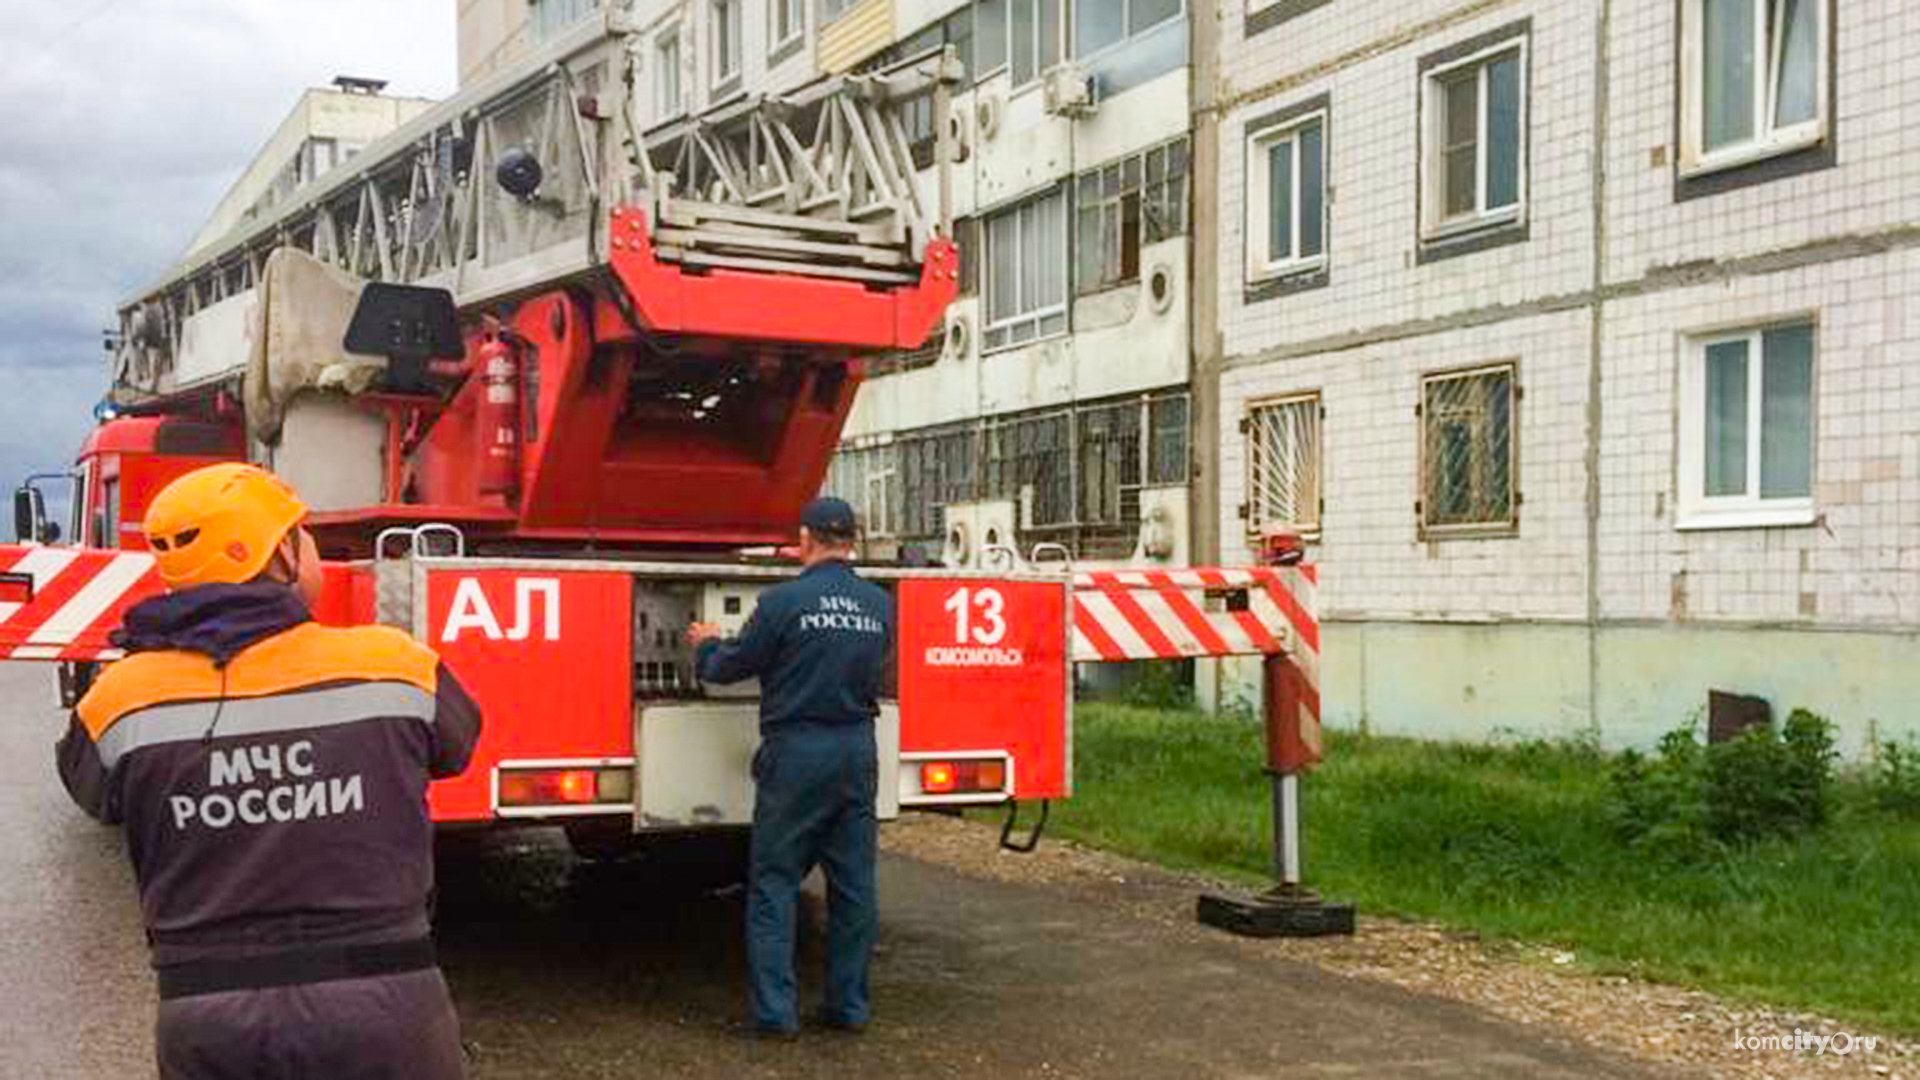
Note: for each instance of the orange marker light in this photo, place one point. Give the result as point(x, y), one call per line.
point(938, 777)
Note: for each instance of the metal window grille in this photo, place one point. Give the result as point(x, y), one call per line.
point(1074, 473)
point(868, 479)
point(1283, 464)
point(1469, 454)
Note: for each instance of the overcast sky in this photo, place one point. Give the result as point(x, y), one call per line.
point(122, 122)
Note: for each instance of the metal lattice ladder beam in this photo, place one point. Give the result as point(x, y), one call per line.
point(815, 181)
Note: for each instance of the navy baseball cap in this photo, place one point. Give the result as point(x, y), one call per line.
point(828, 517)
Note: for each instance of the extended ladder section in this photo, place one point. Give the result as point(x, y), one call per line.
point(514, 186)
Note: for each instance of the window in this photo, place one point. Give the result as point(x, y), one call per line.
point(1746, 454)
point(1283, 463)
point(726, 41)
point(1475, 139)
point(990, 33)
point(1132, 202)
point(1287, 199)
point(1755, 79)
point(1034, 30)
point(833, 9)
point(866, 477)
point(1264, 15)
point(1027, 272)
point(1468, 452)
point(666, 74)
point(916, 122)
point(787, 20)
point(550, 17)
point(1099, 25)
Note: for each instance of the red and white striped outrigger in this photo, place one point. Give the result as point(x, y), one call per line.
point(61, 603)
point(1179, 614)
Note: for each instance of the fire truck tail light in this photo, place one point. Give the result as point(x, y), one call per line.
point(963, 777)
point(938, 778)
point(565, 787)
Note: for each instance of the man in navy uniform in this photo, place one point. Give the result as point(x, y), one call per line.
point(819, 646)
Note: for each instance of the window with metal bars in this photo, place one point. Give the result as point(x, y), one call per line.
point(869, 480)
point(1074, 473)
point(1283, 464)
point(1469, 451)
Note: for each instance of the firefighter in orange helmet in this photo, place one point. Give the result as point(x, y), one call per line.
point(270, 774)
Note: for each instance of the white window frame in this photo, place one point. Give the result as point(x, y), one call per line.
point(1748, 510)
point(1038, 315)
point(1433, 170)
point(1315, 413)
point(667, 75)
point(798, 10)
point(1768, 141)
point(1258, 199)
point(727, 61)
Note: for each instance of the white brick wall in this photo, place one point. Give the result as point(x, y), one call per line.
point(1866, 456)
point(1373, 229)
point(1857, 567)
point(1875, 183)
point(1373, 562)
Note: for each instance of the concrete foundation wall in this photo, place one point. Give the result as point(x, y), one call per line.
point(1466, 681)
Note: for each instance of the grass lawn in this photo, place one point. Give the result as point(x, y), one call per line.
point(1513, 841)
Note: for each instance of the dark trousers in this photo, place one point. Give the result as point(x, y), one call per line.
point(388, 1027)
point(813, 806)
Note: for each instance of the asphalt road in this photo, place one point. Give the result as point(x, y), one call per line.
point(568, 969)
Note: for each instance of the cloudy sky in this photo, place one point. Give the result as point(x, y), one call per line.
point(124, 121)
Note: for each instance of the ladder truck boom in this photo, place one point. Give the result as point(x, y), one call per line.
point(677, 314)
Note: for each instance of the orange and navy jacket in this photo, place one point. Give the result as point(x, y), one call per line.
point(279, 800)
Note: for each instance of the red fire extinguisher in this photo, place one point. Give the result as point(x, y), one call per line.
point(497, 422)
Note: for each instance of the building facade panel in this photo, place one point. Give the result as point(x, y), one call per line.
point(1381, 267)
point(1375, 562)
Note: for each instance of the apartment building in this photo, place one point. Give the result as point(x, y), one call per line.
point(1583, 338)
point(1052, 412)
point(326, 127)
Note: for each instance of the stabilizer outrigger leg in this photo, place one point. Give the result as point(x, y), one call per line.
point(1032, 842)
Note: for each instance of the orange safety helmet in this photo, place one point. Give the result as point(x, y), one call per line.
point(220, 524)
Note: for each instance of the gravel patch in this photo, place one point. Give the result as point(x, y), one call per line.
point(1541, 985)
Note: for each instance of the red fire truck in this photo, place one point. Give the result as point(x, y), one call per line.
point(556, 388)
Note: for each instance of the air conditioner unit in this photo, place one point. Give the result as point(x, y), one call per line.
point(1070, 91)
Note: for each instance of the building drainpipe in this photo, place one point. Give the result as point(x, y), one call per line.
point(1595, 348)
point(1203, 324)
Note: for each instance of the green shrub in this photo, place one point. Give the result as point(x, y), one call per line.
point(1895, 779)
point(1160, 684)
point(1690, 802)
